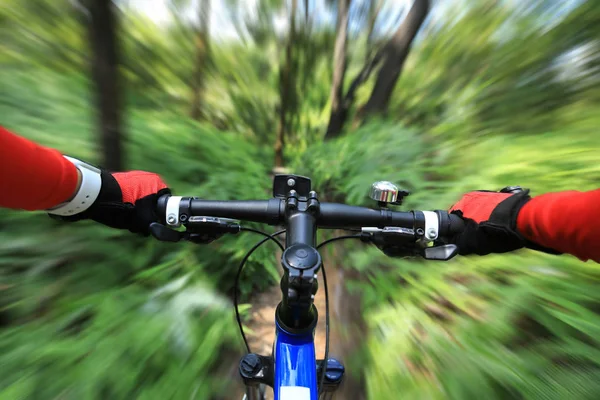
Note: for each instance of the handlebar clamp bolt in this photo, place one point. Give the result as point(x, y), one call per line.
point(171, 219)
point(291, 182)
point(431, 233)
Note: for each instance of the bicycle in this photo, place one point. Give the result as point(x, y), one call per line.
point(292, 369)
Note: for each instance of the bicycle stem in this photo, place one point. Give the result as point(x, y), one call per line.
point(300, 261)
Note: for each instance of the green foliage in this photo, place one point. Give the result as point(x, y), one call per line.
point(346, 167)
point(42, 33)
point(118, 344)
point(491, 327)
point(488, 68)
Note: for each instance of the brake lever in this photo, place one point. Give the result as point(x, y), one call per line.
point(164, 234)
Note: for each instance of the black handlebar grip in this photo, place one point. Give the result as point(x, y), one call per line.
point(457, 224)
point(334, 215)
point(450, 224)
point(263, 211)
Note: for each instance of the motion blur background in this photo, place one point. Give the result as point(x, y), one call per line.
point(213, 95)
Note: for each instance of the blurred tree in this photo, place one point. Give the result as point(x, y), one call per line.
point(306, 12)
point(287, 89)
point(392, 54)
point(307, 47)
point(261, 28)
point(374, 8)
point(202, 57)
point(338, 110)
point(395, 52)
point(490, 69)
point(312, 55)
point(105, 73)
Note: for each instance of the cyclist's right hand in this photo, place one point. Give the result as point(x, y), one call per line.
point(490, 222)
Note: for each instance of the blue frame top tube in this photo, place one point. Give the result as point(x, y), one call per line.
point(295, 366)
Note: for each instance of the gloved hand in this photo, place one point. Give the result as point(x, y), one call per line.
point(491, 223)
point(127, 200)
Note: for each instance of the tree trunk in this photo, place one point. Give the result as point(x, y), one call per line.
point(395, 53)
point(306, 14)
point(338, 109)
point(202, 54)
point(285, 90)
point(374, 8)
point(105, 73)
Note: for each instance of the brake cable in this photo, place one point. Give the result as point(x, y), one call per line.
point(325, 358)
point(239, 273)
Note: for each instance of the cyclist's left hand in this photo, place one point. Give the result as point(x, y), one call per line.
point(490, 222)
point(127, 200)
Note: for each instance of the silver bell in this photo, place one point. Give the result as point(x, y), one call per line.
point(384, 191)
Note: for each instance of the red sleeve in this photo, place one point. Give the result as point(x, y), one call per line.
point(566, 221)
point(33, 177)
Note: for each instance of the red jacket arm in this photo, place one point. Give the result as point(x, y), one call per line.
point(33, 177)
point(568, 222)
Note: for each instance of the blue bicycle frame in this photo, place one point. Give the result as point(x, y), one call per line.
point(295, 366)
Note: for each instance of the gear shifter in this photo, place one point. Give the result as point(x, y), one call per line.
point(198, 230)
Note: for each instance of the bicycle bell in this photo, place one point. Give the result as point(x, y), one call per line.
point(385, 192)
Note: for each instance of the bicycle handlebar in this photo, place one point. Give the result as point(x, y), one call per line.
point(296, 206)
point(396, 233)
point(174, 209)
